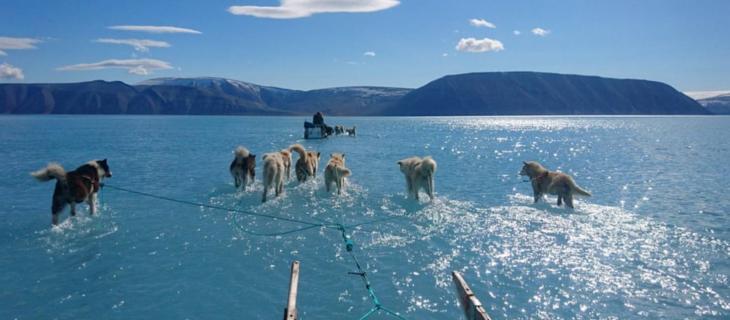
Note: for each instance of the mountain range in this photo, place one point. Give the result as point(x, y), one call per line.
point(488, 93)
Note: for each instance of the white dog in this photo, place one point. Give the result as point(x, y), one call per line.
point(336, 172)
point(419, 175)
point(274, 173)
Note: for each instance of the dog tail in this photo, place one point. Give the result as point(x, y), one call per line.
point(298, 149)
point(428, 165)
point(578, 190)
point(241, 152)
point(343, 172)
point(50, 172)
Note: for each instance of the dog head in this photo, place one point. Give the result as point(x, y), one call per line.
point(531, 168)
point(338, 157)
point(103, 168)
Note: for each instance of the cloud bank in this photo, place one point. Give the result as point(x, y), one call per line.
point(479, 45)
point(142, 45)
point(481, 23)
point(8, 43)
point(292, 9)
point(9, 72)
point(155, 29)
point(133, 66)
point(540, 32)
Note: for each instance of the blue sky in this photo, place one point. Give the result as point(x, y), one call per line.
point(306, 44)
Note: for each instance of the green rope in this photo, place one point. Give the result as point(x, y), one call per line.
point(349, 244)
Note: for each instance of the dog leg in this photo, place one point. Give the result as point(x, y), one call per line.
point(339, 186)
point(536, 195)
point(560, 200)
point(92, 203)
point(569, 200)
point(263, 198)
point(73, 208)
point(54, 219)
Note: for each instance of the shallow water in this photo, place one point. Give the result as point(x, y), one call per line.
point(652, 242)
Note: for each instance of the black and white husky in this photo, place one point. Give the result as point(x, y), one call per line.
point(80, 185)
point(243, 167)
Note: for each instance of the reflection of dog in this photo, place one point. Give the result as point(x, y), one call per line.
point(307, 163)
point(274, 167)
point(350, 131)
point(557, 183)
point(336, 172)
point(75, 186)
point(419, 175)
point(243, 167)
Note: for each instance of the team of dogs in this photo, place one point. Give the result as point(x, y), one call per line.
point(84, 183)
point(342, 130)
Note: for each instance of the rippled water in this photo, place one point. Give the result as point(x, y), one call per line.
point(652, 242)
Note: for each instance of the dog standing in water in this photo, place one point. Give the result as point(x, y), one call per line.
point(80, 185)
point(419, 175)
point(307, 163)
point(243, 167)
point(336, 172)
point(274, 173)
point(556, 183)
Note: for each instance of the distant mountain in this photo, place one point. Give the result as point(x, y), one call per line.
point(495, 93)
point(719, 104)
point(533, 93)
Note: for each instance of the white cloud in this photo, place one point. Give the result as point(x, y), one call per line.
point(155, 29)
point(8, 43)
point(517, 32)
point(291, 9)
point(142, 45)
point(369, 53)
point(9, 72)
point(540, 32)
point(481, 23)
point(479, 45)
point(133, 66)
point(444, 54)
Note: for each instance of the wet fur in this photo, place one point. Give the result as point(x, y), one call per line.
point(274, 173)
point(336, 172)
point(243, 167)
point(555, 183)
point(80, 185)
point(307, 164)
point(419, 175)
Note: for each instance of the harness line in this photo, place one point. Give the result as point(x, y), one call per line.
point(349, 244)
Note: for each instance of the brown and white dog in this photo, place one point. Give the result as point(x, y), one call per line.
point(307, 163)
point(274, 173)
point(243, 167)
point(419, 175)
point(336, 172)
point(556, 183)
point(80, 185)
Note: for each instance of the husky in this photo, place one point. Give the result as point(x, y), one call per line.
point(419, 175)
point(336, 172)
point(556, 183)
point(274, 167)
point(350, 131)
point(80, 185)
point(243, 167)
point(339, 130)
point(307, 163)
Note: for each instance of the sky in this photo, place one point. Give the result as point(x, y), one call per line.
point(309, 44)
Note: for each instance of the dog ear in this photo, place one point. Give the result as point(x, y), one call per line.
point(400, 162)
point(252, 155)
point(318, 154)
point(343, 156)
point(525, 162)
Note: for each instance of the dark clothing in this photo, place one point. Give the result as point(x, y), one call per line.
point(318, 118)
